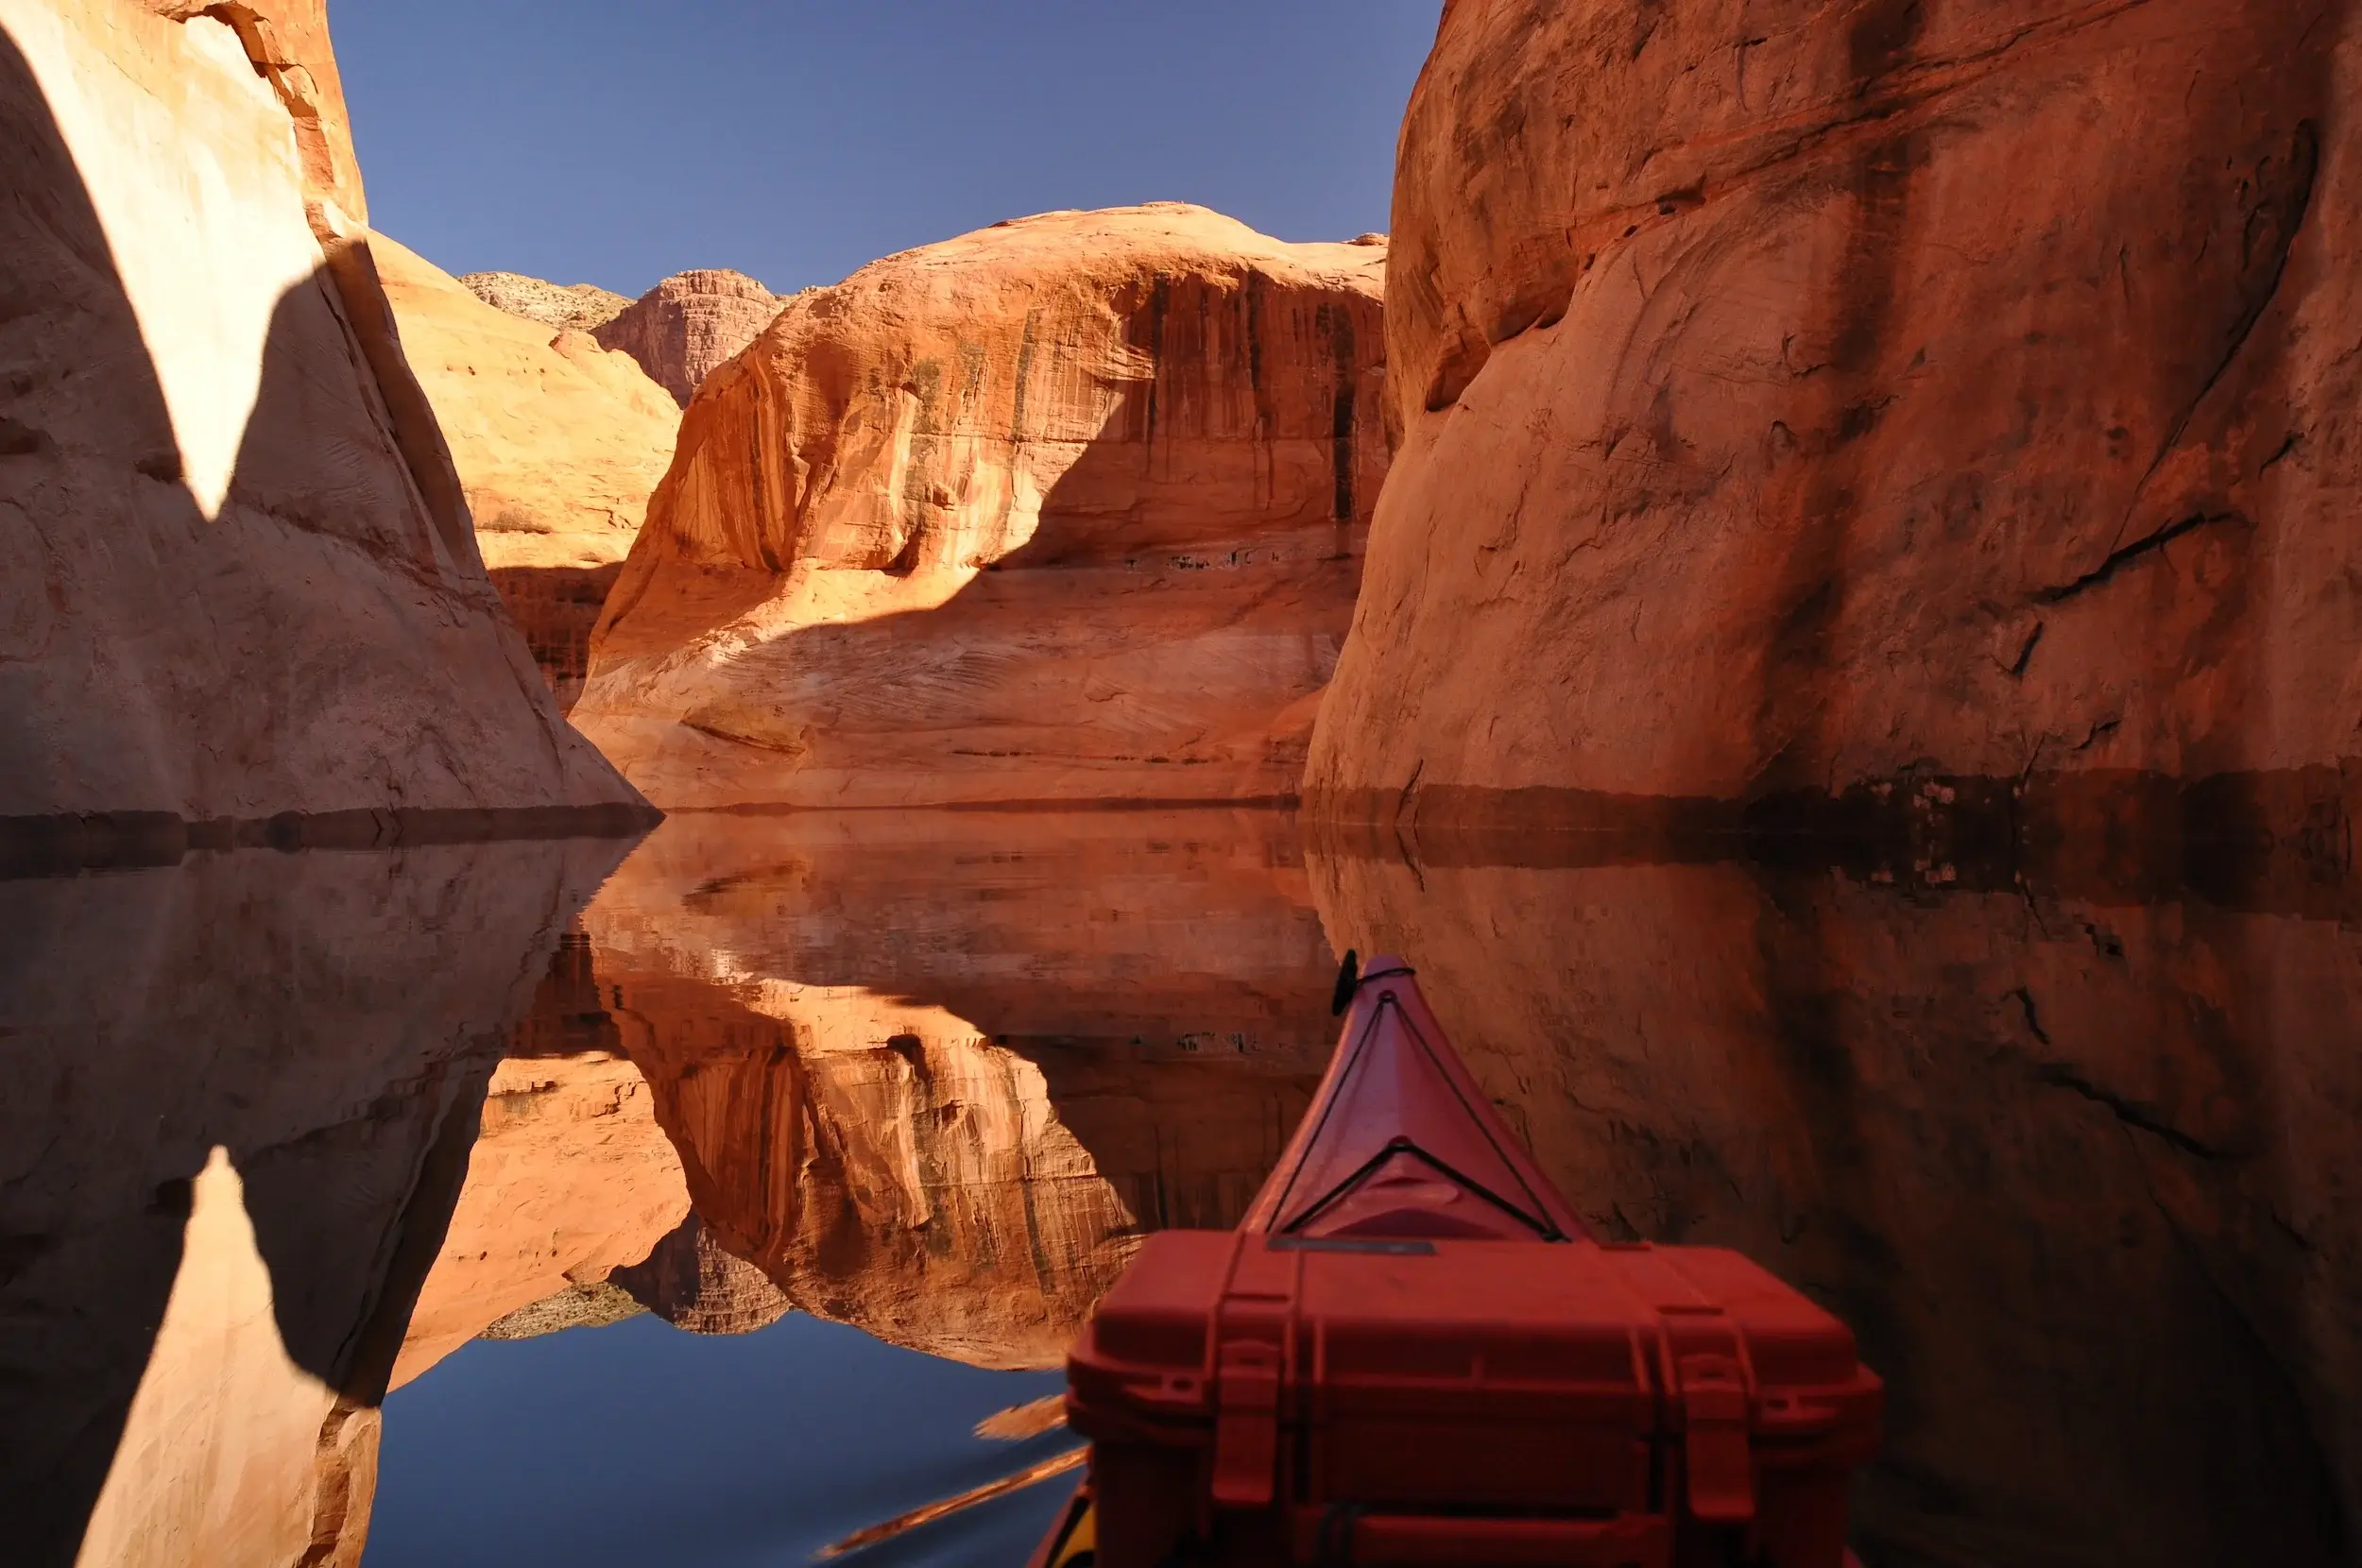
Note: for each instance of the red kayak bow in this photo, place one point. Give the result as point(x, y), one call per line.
point(1411, 1352)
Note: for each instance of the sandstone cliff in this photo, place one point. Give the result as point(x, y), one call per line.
point(237, 1097)
point(559, 443)
point(935, 1077)
point(692, 1282)
point(688, 326)
point(241, 579)
point(2079, 1170)
point(1068, 508)
point(580, 306)
point(1796, 394)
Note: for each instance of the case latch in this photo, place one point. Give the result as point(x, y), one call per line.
point(1718, 1448)
point(1246, 1423)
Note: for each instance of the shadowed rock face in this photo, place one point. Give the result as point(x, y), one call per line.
point(237, 1099)
point(2079, 1170)
point(239, 577)
point(689, 325)
point(1066, 509)
point(935, 1075)
point(1799, 394)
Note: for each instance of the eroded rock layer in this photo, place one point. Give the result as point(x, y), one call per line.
point(2079, 1170)
point(1799, 394)
point(1069, 508)
point(689, 325)
point(239, 575)
point(934, 1076)
point(558, 444)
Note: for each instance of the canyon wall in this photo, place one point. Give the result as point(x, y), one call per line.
point(689, 325)
point(559, 443)
point(1070, 508)
point(240, 574)
point(933, 1076)
point(2078, 1168)
point(1796, 395)
point(237, 1097)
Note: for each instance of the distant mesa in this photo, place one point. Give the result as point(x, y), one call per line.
point(688, 326)
point(580, 306)
point(693, 1284)
point(1066, 509)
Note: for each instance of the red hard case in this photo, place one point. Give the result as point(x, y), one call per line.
point(1254, 1398)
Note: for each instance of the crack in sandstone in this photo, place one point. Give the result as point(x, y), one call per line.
point(2133, 1114)
point(2148, 545)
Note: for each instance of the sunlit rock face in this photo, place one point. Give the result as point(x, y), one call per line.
point(1070, 508)
point(1796, 394)
point(570, 1179)
point(2079, 1170)
point(935, 1075)
point(238, 575)
point(689, 325)
point(581, 306)
point(559, 443)
point(237, 1099)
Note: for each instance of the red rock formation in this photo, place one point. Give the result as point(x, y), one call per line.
point(2080, 1172)
point(691, 1282)
point(1796, 393)
point(688, 326)
point(1069, 508)
point(240, 578)
point(933, 1077)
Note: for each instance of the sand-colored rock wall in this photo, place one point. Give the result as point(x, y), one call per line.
point(558, 444)
point(689, 325)
point(2079, 1170)
point(236, 1100)
point(570, 1179)
point(239, 576)
point(581, 306)
point(935, 1075)
point(1070, 508)
point(1799, 394)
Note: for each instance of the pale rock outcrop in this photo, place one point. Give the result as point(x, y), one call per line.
point(559, 443)
point(2080, 1170)
point(580, 306)
point(240, 578)
point(1070, 508)
point(935, 1075)
point(570, 1179)
point(1796, 394)
point(691, 324)
point(236, 1102)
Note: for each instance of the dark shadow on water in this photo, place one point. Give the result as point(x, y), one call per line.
point(329, 1022)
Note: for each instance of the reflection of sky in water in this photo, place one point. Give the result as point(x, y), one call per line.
point(638, 1444)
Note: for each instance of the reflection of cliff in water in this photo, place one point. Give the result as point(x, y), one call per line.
point(2079, 1173)
point(237, 1097)
point(934, 1073)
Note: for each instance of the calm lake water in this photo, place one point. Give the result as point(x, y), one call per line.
point(693, 1201)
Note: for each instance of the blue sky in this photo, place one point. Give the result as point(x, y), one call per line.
point(614, 141)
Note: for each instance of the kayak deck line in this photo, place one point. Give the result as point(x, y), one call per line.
point(1411, 1350)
